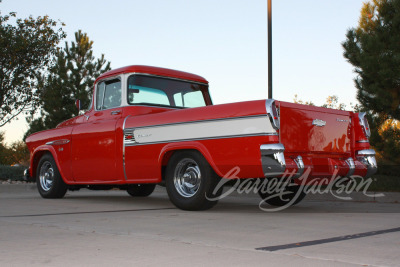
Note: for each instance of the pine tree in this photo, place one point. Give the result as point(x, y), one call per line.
point(373, 48)
point(71, 77)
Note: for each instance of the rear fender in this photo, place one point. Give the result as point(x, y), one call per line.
point(168, 150)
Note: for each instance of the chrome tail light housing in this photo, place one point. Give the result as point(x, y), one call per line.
point(273, 113)
point(364, 124)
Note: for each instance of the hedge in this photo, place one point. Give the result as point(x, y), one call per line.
point(12, 173)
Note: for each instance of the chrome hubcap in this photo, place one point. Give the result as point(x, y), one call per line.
point(46, 176)
point(187, 177)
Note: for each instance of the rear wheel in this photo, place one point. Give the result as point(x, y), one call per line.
point(141, 190)
point(48, 178)
point(191, 181)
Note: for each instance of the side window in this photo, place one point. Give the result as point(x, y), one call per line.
point(108, 94)
point(100, 95)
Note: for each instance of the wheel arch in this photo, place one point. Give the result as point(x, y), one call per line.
point(38, 154)
point(170, 149)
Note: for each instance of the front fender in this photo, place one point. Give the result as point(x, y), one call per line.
point(186, 146)
point(38, 153)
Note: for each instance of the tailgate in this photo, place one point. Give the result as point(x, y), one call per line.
point(308, 129)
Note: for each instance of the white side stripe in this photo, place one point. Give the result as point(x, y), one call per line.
point(243, 126)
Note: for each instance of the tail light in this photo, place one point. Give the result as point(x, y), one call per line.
point(364, 124)
point(273, 113)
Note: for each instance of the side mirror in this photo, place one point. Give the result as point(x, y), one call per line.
point(78, 104)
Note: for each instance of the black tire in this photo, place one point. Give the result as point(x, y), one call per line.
point(48, 178)
point(141, 190)
point(191, 192)
point(286, 199)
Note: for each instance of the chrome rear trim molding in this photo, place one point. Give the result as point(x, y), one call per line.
point(273, 159)
point(352, 167)
point(300, 166)
point(123, 147)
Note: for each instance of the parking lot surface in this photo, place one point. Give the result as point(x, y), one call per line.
point(103, 228)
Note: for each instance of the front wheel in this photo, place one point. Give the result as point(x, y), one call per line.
point(191, 182)
point(48, 178)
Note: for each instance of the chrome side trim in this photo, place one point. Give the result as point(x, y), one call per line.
point(199, 139)
point(272, 159)
point(58, 142)
point(362, 141)
point(204, 129)
point(207, 120)
point(123, 147)
point(352, 167)
point(274, 121)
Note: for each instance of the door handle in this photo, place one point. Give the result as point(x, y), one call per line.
point(115, 112)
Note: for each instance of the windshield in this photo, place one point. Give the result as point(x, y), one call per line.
point(148, 90)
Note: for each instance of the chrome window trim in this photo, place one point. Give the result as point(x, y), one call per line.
point(119, 77)
point(128, 75)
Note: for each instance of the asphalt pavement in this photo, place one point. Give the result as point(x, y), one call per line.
point(103, 228)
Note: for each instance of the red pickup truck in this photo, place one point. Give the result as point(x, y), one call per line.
point(149, 125)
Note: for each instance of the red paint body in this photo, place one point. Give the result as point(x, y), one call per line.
point(95, 151)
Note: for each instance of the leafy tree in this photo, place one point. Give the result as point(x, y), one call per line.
point(374, 51)
point(299, 101)
point(19, 153)
point(26, 48)
point(4, 151)
point(71, 77)
point(333, 102)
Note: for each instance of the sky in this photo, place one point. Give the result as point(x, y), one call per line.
point(224, 41)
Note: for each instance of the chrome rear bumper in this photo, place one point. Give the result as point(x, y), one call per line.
point(367, 157)
point(273, 159)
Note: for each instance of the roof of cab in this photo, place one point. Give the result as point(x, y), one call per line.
point(155, 71)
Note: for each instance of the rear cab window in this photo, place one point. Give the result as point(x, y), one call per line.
point(159, 91)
